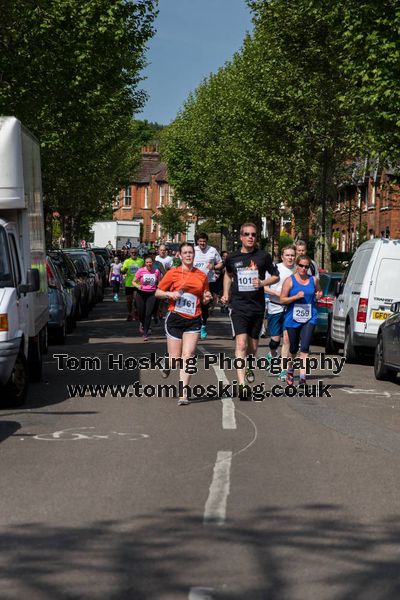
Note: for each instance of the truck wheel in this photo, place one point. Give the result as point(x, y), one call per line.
point(59, 334)
point(16, 387)
point(35, 360)
point(381, 371)
point(349, 350)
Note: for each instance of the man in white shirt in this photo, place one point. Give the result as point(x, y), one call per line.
point(207, 259)
point(163, 258)
point(301, 250)
point(275, 309)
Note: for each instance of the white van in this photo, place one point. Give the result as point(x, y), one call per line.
point(23, 280)
point(370, 285)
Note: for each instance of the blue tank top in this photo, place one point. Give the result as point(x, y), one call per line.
point(304, 307)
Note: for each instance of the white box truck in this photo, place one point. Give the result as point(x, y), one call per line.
point(116, 232)
point(23, 279)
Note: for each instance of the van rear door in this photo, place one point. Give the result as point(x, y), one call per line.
point(385, 285)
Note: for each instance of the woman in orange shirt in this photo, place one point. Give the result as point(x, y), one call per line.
point(186, 287)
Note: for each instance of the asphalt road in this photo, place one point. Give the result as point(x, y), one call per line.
point(137, 498)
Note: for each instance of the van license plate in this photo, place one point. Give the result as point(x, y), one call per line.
point(380, 315)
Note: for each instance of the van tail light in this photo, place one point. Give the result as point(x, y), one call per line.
point(51, 280)
point(325, 301)
point(3, 322)
point(362, 310)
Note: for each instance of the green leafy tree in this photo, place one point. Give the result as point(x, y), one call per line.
point(172, 219)
point(70, 72)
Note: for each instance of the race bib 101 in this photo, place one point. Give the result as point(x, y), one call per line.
point(245, 279)
point(186, 304)
point(302, 313)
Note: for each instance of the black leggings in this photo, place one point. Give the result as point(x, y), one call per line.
point(205, 311)
point(116, 286)
point(146, 305)
point(301, 334)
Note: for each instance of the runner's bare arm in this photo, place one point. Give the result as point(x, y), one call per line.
point(227, 288)
point(166, 294)
point(287, 285)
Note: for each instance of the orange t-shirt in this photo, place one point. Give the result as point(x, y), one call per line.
point(193, 283)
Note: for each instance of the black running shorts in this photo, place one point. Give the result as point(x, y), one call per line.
point(249, 324)
point(176, 325)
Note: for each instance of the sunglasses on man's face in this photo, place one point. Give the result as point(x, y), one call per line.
point(249, 234)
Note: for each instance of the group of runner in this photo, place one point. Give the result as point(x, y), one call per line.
point(240, 280)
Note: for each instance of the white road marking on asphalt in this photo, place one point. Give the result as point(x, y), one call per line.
point(228, 406)
point(200, 593)
point(215, 507)
point(370, 392)
point(71, 434)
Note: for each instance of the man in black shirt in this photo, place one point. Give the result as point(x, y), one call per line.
point(244, 281)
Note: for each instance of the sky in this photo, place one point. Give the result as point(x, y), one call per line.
point(193, 39)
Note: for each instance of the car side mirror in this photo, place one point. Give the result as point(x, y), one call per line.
point(395, 307)
point(32, 282)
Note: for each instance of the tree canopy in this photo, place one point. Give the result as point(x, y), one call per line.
point(70, 70)
point(273, 126)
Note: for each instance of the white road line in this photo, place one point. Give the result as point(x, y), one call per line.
point(228, 406)
point(200, 593)
point(215, 507)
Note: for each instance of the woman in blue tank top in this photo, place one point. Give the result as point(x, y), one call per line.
point(300, 293)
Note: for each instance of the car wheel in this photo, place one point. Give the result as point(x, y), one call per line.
point(349, 350)
point(59, 334)
point(70, 324)
point(331, 347)
point(15, 390)
point(381, 371)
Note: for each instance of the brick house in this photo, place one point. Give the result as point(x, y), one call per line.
point(368, 206)
point(147, 191)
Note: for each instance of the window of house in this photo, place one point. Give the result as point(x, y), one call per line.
point(127, 196)
point(146, 197)
point(161, 196)
point(365, 202)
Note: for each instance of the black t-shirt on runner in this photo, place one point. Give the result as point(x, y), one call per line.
point(245, 267)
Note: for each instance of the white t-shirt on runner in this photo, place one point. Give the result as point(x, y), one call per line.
point(203, 257)
point(274, 304)
point(166, 261)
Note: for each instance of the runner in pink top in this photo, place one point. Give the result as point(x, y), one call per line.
point(146, 280)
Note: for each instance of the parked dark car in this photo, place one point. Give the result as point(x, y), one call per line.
point(72, 283)
point(105, 253)
point(327, 282)
point(387, 351)
point(83, 271)
point(90, 259)
point(104, 269)
point(58, 304)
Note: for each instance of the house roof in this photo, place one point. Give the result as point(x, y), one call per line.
point(150, 165)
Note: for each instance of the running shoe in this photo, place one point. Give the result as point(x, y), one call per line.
point(115, 298)
point(244, 392)
point(268, 358)
point(203, 332)
point(302, 382)
point(250, 377)
point(183, 401)
point(145, 338)
point(290, 377)
point(282, 375)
